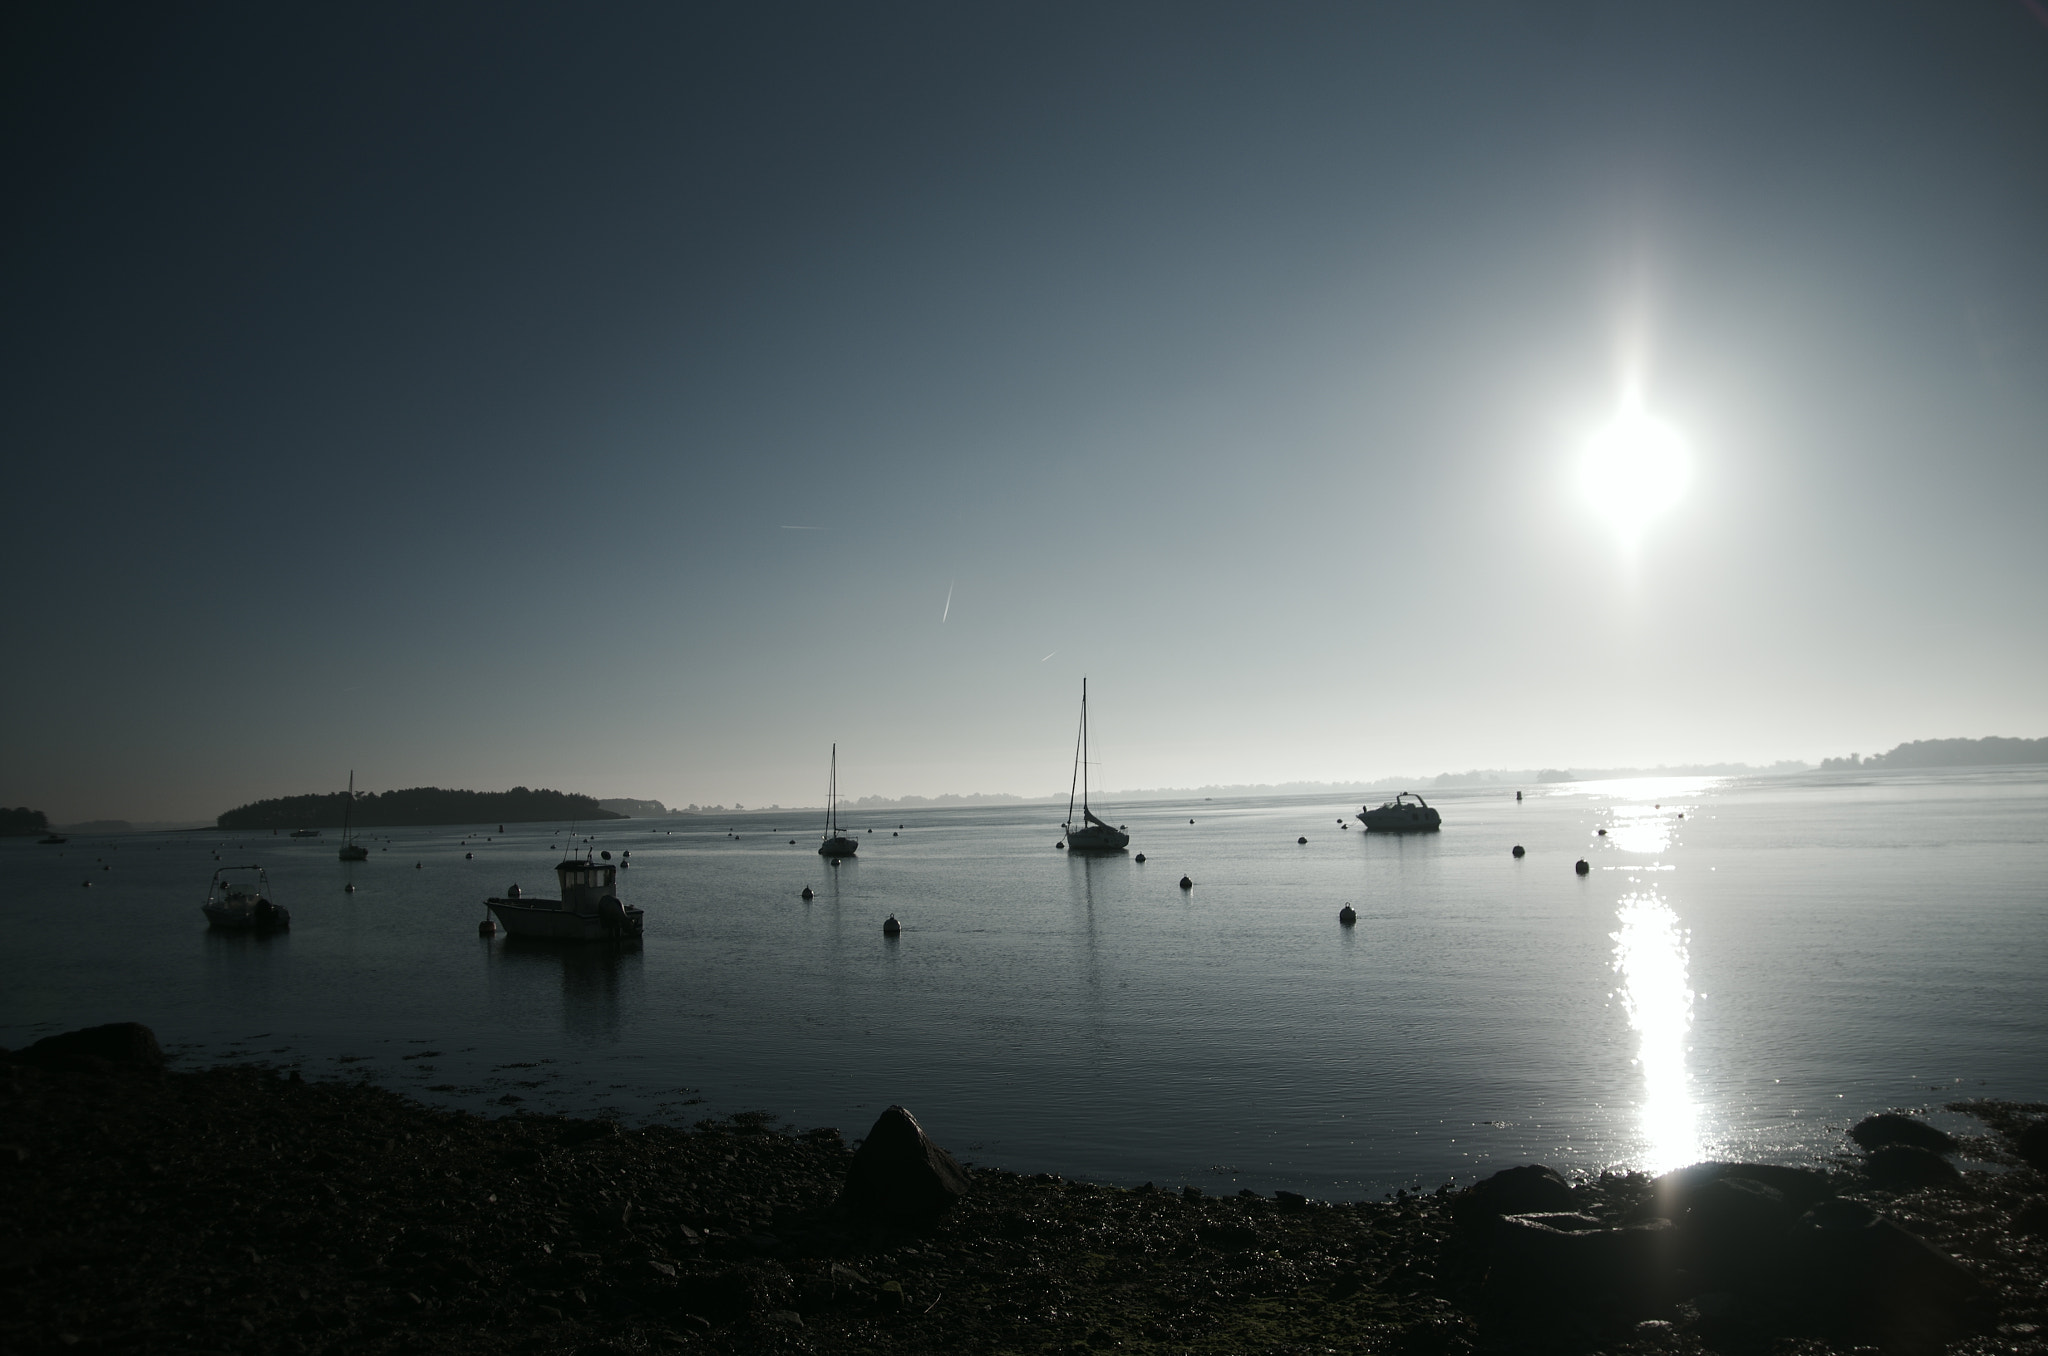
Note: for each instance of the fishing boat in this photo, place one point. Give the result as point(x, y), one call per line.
point(836, 844)
point(1405, 813)
point(238, 903)
point(305, 833)
point(1092, 834)
point(588, 911)
point(351, 850)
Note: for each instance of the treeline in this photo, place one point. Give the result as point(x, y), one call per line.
point(418, 805)
point(23, 820)
point(1994, 751)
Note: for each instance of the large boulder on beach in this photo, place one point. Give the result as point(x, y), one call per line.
point(1675, 1191)
point(1732, 1234)
point(96, 1049)
point(1890, 1127)
point(1529, 1189)
point(1904, 1167)
point(899, 1174)
point(1871, 1273)
point(2032, 1144)
point(1549, 1259)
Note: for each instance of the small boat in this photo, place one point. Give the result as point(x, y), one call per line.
point(1405, 813)
point(240, 904)
point(588, 911)
point(305, 833)
point(1093, 834)
point(53, 838)
point(836, 844)
point(351, 850)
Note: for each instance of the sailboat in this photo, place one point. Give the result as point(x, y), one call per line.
point(1092, 835)
point(836, 844)
point(351, 850)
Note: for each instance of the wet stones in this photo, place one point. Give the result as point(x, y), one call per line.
point(899, 1174)
point(2032, 1144)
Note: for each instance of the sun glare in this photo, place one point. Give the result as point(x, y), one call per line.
point(1635, 469)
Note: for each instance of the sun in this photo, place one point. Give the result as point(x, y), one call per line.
point(1635, 469)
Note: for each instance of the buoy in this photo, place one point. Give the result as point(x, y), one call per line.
point(606, 855)
point(1347, 915)
point(349, 888)
point(1518, 797)
point(1301, 840)
point(415, 866)
point(835, 863)
point(1140, 857)
point(892, 928)
point(624, 855)
point(1681, 814)
point(487, 928)
point(1191, 821)
point(807, 893)
point(1519, 850)
point(86, 883)
point(1603, 833)
point(899, 826)
point(792, 842)
point(1059, 844)
point(1582, 868)
point(1185, 883)
point(467, 856)
point(894, 834)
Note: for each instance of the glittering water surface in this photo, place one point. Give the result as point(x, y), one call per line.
point(1747, 968)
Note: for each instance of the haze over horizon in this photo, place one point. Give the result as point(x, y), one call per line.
point(639, 400)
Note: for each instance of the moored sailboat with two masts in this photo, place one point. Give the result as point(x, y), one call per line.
point(1091, 834)
point(351, 850)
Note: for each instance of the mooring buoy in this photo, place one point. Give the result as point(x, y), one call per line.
point(1140, 857)
point(1347, 915)
point(487, 928)
point(1301, 840)
point(1519, 849)
point(806, 894)
point(892, 928)
point(1582, 868)
point(1186, 884)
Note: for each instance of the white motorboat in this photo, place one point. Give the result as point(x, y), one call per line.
point(588, 911)
point(1093, 834)
point(836, 844)
point(238, 903)
point(1405, 813)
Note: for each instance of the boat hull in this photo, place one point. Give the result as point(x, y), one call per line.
point(352, 853)
point(548, 920)
point(1095, 838)
point(842, 846)
point(260, 916)
point(1404, 819)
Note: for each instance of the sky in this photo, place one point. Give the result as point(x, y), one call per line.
point(639, 399)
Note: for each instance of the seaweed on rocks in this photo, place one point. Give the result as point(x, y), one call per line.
point(243, 1210)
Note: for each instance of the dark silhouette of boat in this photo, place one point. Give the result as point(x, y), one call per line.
point(1094, 834)
point(235, 906)
point(1405, 813)
point(351, 850)
point(836, 844)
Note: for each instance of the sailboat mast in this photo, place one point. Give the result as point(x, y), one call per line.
point(1084, 748)
point(348, 810)
point(832, 796)
point(1075, 780)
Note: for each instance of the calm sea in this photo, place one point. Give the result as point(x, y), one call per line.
point(1749, 967)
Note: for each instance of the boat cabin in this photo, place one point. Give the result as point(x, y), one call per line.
point(586, 882)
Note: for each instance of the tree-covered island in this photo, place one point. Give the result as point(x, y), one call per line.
point(417, 805)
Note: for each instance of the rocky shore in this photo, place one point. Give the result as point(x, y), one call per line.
point(243, 1210)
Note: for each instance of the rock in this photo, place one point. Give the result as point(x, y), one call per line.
point(1512, 1191)
point(1870, 1274)
point(2032, 1144)
point(753, 1288)
point(1800, 1187)
point(128, 1045)
point(1228, 1236)
point(2031, 1219)
point(1556, 1258)
point(899, 1173)
point(1902, 1167)
point(1733, 1233)
point(1889, 1127)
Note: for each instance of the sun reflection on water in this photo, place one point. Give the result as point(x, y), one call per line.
point(1650, 956)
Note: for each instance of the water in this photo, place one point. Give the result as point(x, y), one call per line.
point(1746, 980)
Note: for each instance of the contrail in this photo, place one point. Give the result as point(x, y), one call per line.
point(791, 527)
point(1048, 656)
point(949, 603)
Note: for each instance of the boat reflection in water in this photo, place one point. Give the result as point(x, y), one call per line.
point(595, 981)
point(1650, 956)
